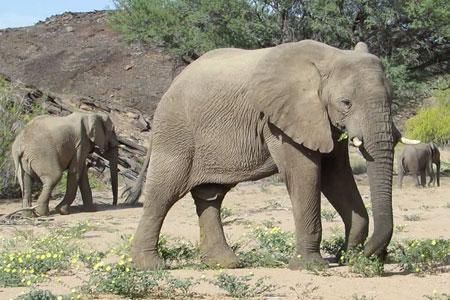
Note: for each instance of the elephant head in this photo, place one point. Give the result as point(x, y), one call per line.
point(314, 90)
point(100, 131)
point(436, 159)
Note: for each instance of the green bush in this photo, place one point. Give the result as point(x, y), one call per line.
point(37, 295)
point(15, 111)
point(425, 256)
point(241, 286)
point(269, 247)
point(361, 264)
point(432, 123)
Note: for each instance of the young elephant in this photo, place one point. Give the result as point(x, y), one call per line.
point(418, 160)
point(49, 145)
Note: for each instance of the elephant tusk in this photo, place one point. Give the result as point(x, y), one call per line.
point(356, 142)
point(409, 142)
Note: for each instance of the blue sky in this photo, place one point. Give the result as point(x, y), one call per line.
point(17, 13)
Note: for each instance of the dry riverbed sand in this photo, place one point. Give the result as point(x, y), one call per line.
point(253, 203)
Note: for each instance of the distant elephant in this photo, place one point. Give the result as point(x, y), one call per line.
point(418, 160)
point(49, 145)
point(238, 115)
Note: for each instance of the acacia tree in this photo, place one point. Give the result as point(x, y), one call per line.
point(411, 37)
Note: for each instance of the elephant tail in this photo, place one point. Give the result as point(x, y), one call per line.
point(135, 192)
point(17, 153)
point(402, 166)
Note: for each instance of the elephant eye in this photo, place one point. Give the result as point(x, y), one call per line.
point(346, 103)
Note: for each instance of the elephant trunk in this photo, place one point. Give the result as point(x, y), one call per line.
point(379, 143)
point(438, 171)
point(112, 155)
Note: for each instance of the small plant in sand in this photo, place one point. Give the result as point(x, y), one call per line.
point(27, 260)
point(412, 217)
point(38, 294)
point(121, 278)
point(361, 297)
point(328, 214)
point(225, 213)
point(362, 265)
point(333, 245)
point(177, 251)
point(421, 256)
point(242, 286)
point(400, 227)
point(266, 246)
point(305, 291)
point(437, 296)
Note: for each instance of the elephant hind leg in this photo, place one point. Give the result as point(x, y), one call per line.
point(214, 249)
point(48, 184)
point(166, 184)
point(26, 193)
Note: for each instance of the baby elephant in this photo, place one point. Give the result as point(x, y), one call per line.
point(418, 160)
point(49, 145)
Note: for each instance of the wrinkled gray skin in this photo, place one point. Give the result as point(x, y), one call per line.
point(418, 160)
point(237, 115)
point(49, 145)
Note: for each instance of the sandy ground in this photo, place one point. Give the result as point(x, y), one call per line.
point(252, 203)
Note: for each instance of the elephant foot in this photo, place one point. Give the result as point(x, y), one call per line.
point(310, 261)
point(147, 260)
point(62, 209)
point(222, 257)
point(42, 210)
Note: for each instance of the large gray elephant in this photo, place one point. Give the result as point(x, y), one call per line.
point(237, 115)
point(49, 145)
point(418, 160)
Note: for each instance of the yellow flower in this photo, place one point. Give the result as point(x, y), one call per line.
point(55, 255)
point(20, 260)
point(433, 242)
point(127, 269)
point(108, 268)
point(130, 259)
point(417, 269)
point(59, 298)
point(48, 254)
point(29, 282)
point(121, 262)
point(43, 256)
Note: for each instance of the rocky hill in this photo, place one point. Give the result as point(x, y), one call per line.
point(80, 54)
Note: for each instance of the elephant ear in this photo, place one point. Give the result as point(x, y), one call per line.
point(95, 131)
point(285, 86)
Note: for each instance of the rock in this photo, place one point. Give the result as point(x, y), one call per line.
point(128, 67)
point(69, 29)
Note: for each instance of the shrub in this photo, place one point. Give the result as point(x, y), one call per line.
point(27, 260)
point(241, 286)
point(360, 264)
point(269, 246)
point(37, 295)
point(334, 245)
point(15, 110)
point(328, 214)
point(432, 123)
point(177, 251)
point(424, 256)
point(124, 280)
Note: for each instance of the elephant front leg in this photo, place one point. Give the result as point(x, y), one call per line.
point(300, 168)
point(71, 193)
point(339, 187)
point(214, 249)
point(86, 192)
